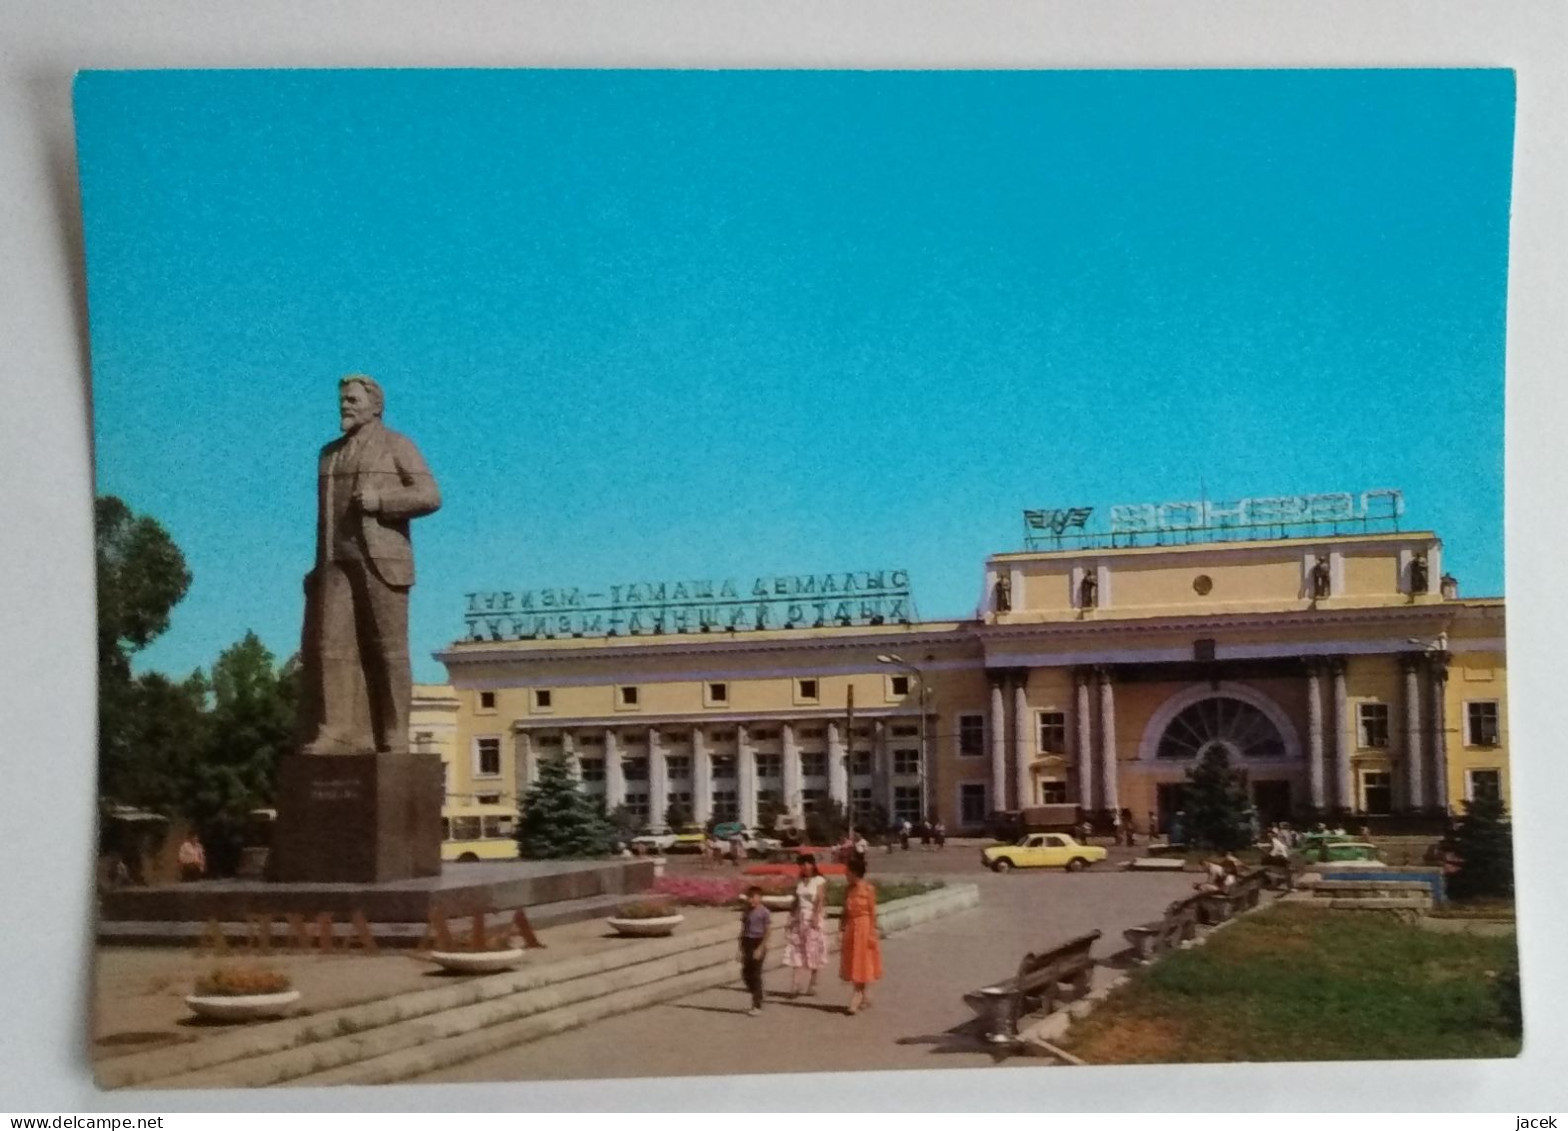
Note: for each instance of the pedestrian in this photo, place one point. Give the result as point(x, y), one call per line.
point(1127, 837)
point(860, 952)
point(941, 835)
point(805, 944)
point(858, 850)
point(1116, 827)
point(1085, 830)
point(1279, 856)
point(904, 829)
point(192, 858)
point(737, 850)
point(1152, 824)
point(754, 924)
point(925, 835)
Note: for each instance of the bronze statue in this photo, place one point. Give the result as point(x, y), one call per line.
point(1004, 594)
point(1418, 575)
point(1089, 590)
point(358, 680)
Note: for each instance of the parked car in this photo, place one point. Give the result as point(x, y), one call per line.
point(726, 831)
point(1042, 850)
point(655, 840)
point(689, 839)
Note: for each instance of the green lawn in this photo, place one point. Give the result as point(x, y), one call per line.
point(1289, 983)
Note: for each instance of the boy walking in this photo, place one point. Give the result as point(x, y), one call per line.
point(754, 923)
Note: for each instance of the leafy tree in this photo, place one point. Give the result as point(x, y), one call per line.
point(677, 815)
point(827, 822)
point(626, 823)
point(145, 726)
point(559, 820)
point(1217, 803)
point(1483, 842)
point(250, 727)
point(769, 811)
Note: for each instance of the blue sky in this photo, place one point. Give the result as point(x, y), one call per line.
point(664, 325)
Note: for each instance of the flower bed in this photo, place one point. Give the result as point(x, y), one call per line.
point(790, 870)
point(719, 891)
point(242, 981)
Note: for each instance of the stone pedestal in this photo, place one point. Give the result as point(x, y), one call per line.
point(358, 818)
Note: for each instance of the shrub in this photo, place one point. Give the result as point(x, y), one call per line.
point(242, 981)
point(646, 909)
point(1483, 842)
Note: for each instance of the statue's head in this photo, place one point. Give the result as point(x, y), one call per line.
point(360, 400)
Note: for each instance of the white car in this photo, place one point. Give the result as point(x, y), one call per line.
point(660, 841)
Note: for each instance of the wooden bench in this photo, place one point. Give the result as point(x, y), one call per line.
point(1179, 924)
point(1217, 907)
point(1037, 987)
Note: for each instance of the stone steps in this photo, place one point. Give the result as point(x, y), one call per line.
point(408, 1035)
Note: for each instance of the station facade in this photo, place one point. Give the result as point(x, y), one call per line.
point(1344, 673)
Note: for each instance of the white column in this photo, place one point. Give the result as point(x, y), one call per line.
point(838, 772)
point(1415, 749)
point(792, 798)
point(1315, 773)
point(701, 777)
point(745, 776)
point(998, 744)
point(1439, 678)
point(1109, 795)
point(614, 772)
point(1083, 739)
point(1345, 795)
point(658, 779)
point(569, 753)
point(1024, 741)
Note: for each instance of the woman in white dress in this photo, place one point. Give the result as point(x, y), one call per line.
point(805, 944)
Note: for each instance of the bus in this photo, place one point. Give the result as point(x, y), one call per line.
point(478, 832)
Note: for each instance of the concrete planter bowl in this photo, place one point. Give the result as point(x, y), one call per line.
point(476, 961)
point(646, 928)
point(247, 1007)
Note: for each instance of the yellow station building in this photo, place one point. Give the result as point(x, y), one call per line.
point(1341, 670)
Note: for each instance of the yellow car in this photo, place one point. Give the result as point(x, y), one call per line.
point(1042, 850)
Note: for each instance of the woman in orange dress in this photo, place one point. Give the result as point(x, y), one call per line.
point(860, 954)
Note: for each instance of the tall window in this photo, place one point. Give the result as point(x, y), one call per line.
point(1485, 784)
point(972, 805)
point(860, 805)
point(811, 800)
point(724, 767)
point(726, 807)
point(1053, 732)
point(1377, 792)
point(770, 765)
point(860, 763)
point(635, 769)
point(1481, 727)
point(1053, 793)
point(678, 765)
point(971, 736)
point(591, 769)
point(637, 806)
point(487, 761)
point(906, 803)
point(1372, 720)
point(906, 761)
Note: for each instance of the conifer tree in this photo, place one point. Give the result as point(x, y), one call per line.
point(559, 820)
point(1217, 803)
point(1484, 843)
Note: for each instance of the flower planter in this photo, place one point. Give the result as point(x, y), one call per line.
point(247, 1007)
point(647, 928)
point(476, 961)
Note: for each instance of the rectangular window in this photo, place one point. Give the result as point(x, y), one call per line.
point(677, 765)
point(767, 797)
point(467, 828)
point(860, 763)
point(1481, 727)
point(591, 769)
point(716, 694)
point(635, 737)
point(897, 686)
point(862, 732)
point(812, 732)
point(971, 736)
point(1377, 792)
point(683, 799)
point(904, 732)
point(637, 806)
point(488, 799)
point(498, 827)
point(805, 691)
point(814, 765)
point(770, 765)
point(1053, 793)
point(487, 760)
point(764, 735)
point(723, 736)
point(723, 767)
point(1053, 732)
point(543, 699)
point(626, 697)
point(906, 761)
point(726, 807)
point(487, 700)
point(549, 741)
point(860, 804)
point(1485, 785)
point(1372, 725)
point(973, 807)
point(635, 769)
point(590, 740)
point(906, 803)
point(813, 799)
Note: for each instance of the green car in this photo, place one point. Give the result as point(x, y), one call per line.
point(1333, 848)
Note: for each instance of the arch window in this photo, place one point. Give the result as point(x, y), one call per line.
point(1239, 727)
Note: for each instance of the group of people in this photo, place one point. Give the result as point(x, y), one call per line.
point(715, 851)
point(805, 937)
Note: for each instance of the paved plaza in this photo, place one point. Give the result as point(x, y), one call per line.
point(918, 1020)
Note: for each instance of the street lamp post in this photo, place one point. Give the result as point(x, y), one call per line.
point(925, 776)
